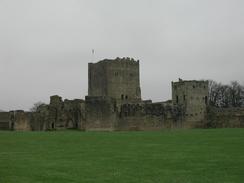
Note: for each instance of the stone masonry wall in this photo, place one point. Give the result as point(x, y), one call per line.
point(20, 120)
point(100, 114)
point(193, 97)
point(40, 119)
point(224, 118)
point(4, 120)
point(67, 114)
point(118, 79)
point(149, 117)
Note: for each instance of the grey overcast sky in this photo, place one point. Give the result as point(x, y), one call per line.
point(45, 45)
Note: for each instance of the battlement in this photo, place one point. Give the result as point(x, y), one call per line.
point(191, 84)
point(124, 60)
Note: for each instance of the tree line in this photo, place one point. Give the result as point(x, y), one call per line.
point(223, 96)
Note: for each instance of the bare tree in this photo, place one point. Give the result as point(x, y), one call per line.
point(236, 94)
point(35, 107)
point(214, 93)
point(226, 95)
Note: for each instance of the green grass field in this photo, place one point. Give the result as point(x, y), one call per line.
point(170, 156)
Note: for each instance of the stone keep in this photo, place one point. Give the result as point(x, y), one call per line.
point(118, 79)
point(192, 96)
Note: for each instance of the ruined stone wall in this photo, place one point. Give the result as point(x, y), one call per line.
point(59, 114)
point(118, 79)
point(81, 124)
point(40, 119)
point(20, 120)
point(193, 97)
point(74, 113)
point(4, 120)
point(155, 116)
point(224, 118)
point(56, 113)
point(101, 113)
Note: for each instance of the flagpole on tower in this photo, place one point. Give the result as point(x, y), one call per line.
point(93, 55)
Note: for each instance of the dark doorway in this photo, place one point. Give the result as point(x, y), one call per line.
point(206, 100)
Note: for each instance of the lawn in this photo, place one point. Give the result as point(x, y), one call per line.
point(170, 156)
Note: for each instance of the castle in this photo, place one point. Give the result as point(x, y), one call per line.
point(114, 103)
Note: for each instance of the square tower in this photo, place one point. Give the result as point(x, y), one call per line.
point(118, 79)
point(192, 96)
